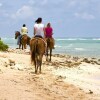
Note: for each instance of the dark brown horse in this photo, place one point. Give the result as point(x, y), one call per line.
point(25, 40)
point(37, 48)
point(50, 46)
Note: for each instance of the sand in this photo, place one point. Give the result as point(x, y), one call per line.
point(64, 78)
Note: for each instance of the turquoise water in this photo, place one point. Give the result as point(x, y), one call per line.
point(89, 47)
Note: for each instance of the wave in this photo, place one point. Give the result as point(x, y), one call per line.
point(69, 45)
point(58, 46)
point(79, 49)
point(57, 39)
point(65, 39)
point(96, 39)
point(83, 39)
point(72, 39)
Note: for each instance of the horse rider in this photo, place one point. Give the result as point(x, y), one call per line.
point(49, 33)
point(39, 29)
point(24, 31)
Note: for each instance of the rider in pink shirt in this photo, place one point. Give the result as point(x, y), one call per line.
point(48, 31)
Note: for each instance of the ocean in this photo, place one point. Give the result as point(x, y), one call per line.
point(85, 47)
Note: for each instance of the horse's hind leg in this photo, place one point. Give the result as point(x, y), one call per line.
point(40, 65)
point(47, 54)
point(35, 67)
point(50, 53)
point(22, 46)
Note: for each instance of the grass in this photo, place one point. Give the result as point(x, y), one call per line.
point(3, 46)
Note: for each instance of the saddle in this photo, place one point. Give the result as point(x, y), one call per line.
point(39, 38)
point(23, 36)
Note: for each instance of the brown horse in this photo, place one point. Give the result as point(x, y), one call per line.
point(25, 40)
point(50, 46)
point(37, 48)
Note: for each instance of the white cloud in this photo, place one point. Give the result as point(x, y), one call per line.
point(23, 13)
point(84, 16)
point(0, 4)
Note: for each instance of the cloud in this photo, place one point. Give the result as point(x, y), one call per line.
point(84, 15)
point(36, 2)
point(0, 4)
point(23, 13)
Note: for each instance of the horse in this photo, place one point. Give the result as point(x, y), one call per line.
point(37, 49)
point(25, 40)
point(50, 46)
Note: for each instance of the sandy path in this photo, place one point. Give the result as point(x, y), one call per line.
point(18, 82)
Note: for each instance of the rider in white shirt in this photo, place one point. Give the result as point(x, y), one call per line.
point(39, 29)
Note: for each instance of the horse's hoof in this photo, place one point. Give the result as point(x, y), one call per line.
point(46, 59)
point(40, 72)
point(49, 60)
point(35, 72)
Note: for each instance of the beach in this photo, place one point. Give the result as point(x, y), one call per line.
point(64, 78)
point(73, 72)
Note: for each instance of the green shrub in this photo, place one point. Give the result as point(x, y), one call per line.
point(3, 47)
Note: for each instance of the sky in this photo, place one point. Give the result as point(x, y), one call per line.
point(68, 18)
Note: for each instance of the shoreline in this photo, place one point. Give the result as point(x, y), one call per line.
point(81, 75)
point(72, 48)
point(16, 50)
point(70, 54)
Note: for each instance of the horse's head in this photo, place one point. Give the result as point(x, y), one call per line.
point(17, 33)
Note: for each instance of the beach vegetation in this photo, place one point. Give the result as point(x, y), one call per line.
point(3, 46)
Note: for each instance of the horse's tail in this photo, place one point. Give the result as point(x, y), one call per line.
point(48, 42)
point(33, 50)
